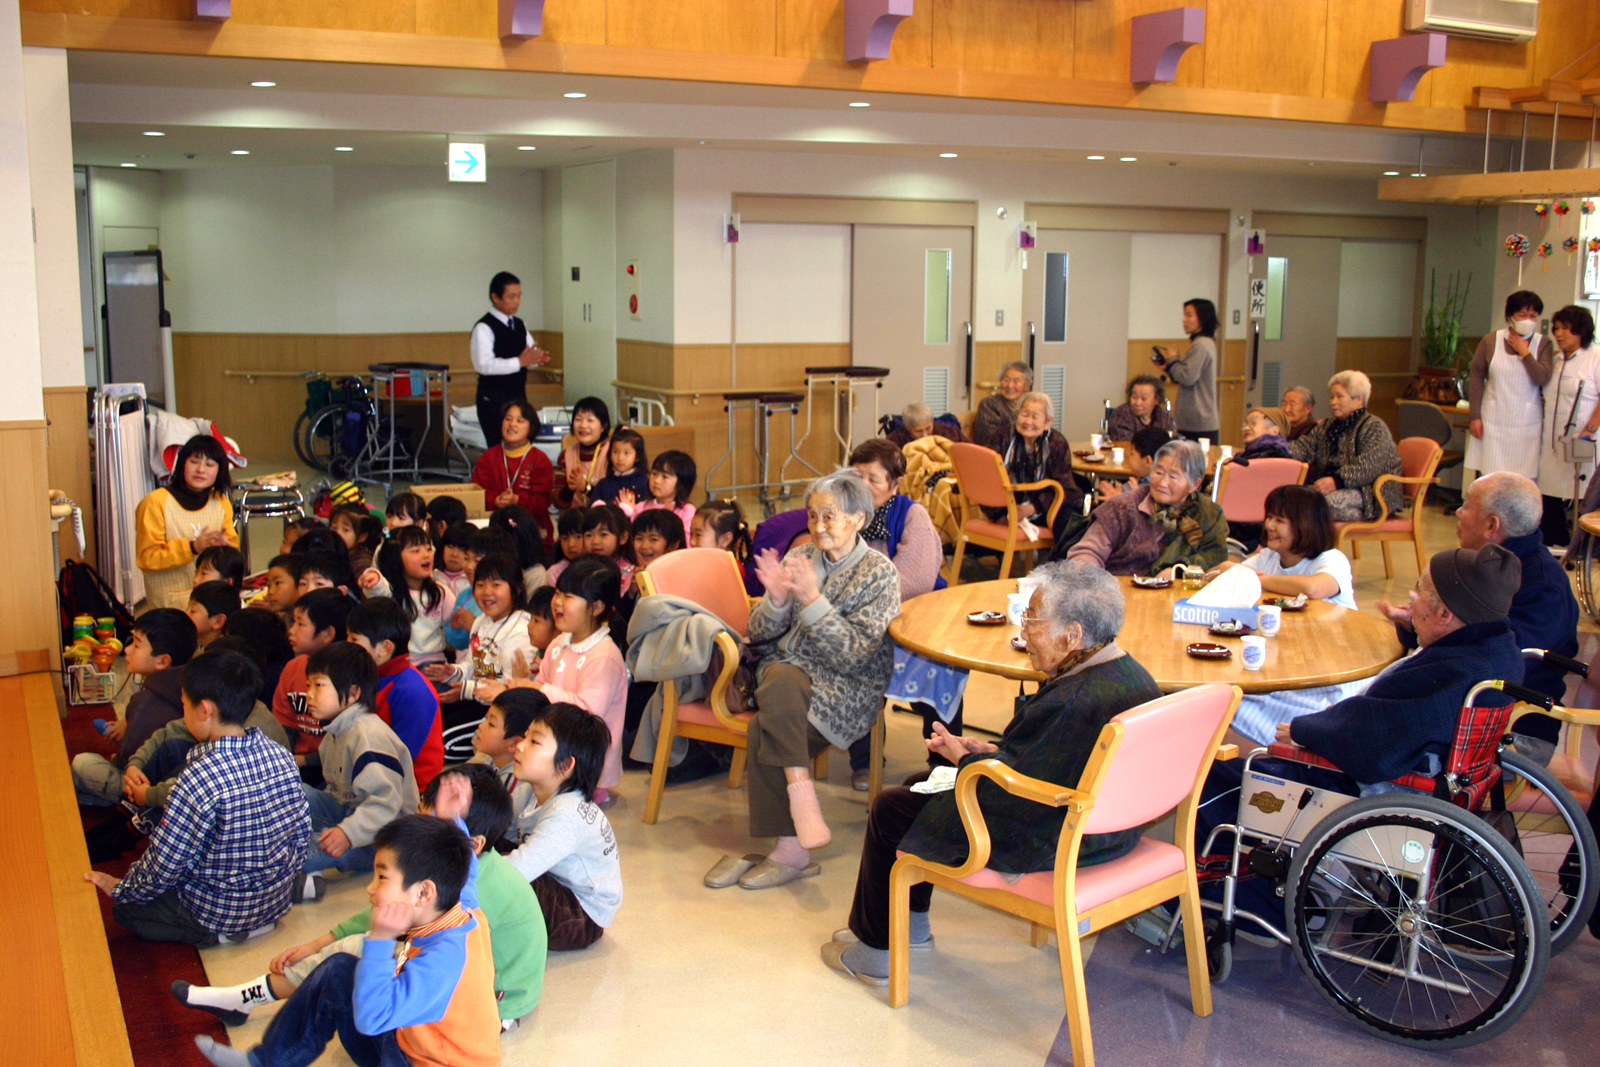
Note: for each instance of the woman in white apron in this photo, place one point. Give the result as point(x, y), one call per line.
point(1508, 370)
point(1571, 410)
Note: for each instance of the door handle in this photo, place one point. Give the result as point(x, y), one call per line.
point(969, 361)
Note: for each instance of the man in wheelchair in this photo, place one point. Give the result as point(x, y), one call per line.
point(1406, 720)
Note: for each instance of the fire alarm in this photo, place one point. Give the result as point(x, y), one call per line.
point(633, 304)
point(632, 271)
point(630, 268)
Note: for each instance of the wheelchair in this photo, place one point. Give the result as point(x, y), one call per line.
point(1429, 917)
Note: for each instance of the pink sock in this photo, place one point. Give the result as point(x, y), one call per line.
point(788, 852)
point(806, 811)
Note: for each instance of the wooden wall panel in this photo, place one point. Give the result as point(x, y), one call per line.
point(66, 409)
point(378, 16)
point(1103, 32)
point(1388, 362)
point(987, 359)
point(28, 632)
point(743, 27)
point(1267, 46)
point(913, 41)
point(1472, 63)
point(453, 18)
point(1350, 37)
point(1033, 37)
point(1567, 29)
point(574, 22)
point(810, 29)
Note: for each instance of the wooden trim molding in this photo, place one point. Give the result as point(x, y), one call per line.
point(28, 633)
point(1119, 217)
point(1357, 227)
point(853, 210)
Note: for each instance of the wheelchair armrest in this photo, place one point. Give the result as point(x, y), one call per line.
point(1226, 752)
point(1284, 750)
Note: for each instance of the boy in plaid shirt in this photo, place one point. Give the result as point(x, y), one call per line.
point(222, 860)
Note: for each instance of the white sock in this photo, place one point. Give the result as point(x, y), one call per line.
point(221, 1055)
point(244, 997)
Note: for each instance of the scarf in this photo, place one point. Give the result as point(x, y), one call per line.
point(1333, 433)
point(1188, 521)
point(189, 499)
point(1024, 465)
point(878, 528)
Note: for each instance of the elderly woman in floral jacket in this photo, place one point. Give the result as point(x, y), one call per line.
point(1349, 451)
point(821, 632)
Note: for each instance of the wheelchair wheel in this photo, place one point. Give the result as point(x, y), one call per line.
point(1556, 842)
point(1419, 920)
point(1219, 952)
point(323, 440)
point(299, 437)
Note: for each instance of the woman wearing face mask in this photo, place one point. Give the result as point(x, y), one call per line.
point(1571, 408)
point(1508, 370)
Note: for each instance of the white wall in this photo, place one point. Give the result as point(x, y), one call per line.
point(550, 230)
point(1377, 288)
point(55, 250)
point(644, 235)
point(345, 249)
point(1165, 270)
point(794, 284)
point(19, 306)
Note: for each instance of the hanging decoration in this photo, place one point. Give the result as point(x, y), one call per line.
point(1541, 210)
point(1516, 248)
point(1569, 246)
point(1586, 208)
point(1562, 208)
point(1544, 251)
point(1594, 244)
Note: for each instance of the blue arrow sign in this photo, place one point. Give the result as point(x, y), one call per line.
point(470, 160)
point(467, 162)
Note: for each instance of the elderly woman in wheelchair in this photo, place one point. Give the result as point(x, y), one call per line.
point(1424, 874)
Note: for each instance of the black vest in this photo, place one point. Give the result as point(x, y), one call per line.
point(509, 343)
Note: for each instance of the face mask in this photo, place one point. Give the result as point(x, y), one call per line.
point(1524, 327)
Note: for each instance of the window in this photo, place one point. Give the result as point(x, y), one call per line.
point(1055, 297)
point(936, 297)
point(1277, 282)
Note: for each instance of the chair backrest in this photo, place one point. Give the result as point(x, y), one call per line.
point(1421, 419)
point(708, 576)
point(1163, 746)
point(1242, 491)
point(982, 475)
point(1473, 751)
point(1419, 458)
point(966, 419)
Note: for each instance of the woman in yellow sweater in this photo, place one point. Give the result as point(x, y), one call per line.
point(181, 520)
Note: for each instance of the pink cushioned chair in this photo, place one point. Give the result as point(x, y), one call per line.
point(1148, 760)
point(1419, 460)
point(1242, 491)
point(983, 481)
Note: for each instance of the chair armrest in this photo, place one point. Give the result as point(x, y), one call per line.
point(1227, 752)
point(718, 698)
point(1576, 716)
point(979, 844)
point(1046, 483)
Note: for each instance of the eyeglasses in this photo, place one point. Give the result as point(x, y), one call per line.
point(1029, 619)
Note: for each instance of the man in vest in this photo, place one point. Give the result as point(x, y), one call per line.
point(502, 352)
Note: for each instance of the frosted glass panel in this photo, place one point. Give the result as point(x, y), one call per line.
point(936, 298)
point(1277, 284)
point(1055, 297)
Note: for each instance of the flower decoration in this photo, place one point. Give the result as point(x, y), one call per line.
point(1562, 208)
point(1594, 244)
point(1570, 244)
point(1541, 210)
point(1586, 208)
point(1544, 250)
point(1516, 246)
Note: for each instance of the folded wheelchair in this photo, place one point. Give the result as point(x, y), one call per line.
point(1429, 917)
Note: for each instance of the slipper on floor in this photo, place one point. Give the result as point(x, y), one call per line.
point(770, 874)
point(846, 937)
point(833, 955)
point(729, 869)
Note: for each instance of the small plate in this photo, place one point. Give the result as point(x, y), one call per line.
point(1289, 603)
point(987, 618)
point(1144, 582)
point(1019, 644)
point(1208, 650)
point(1232, 629)
point(1091, 457)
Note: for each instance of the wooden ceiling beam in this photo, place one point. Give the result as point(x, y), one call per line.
point(1495, 188)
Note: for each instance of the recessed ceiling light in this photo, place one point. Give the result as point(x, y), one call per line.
point(527, 148)
point(1419, 174)
point(154, 133)
point(1391, 174)
point(130, 164)
point(263, 85)
point(574, 96)
point(859, 103)
point(1129, 159)
point(1097, 158)
point(344, 148)
point(947, 155)
point(241, 152)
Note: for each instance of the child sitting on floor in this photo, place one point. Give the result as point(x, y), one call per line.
point(405, 573)
point(422, 990)
point(519, 524)
point(318, 621)
point(443, 513)
point(405, 699)
point(405, 509)
point(454, 545)
point(367, 768)
point(211, 604)
point(293, 529)
point(654, 534)
point(672, 478)
point(720, 524)
point(628, 467)
point(499, 635)
point(327, 570)
point(458, 627)
point(569, 535)
point(283, 580)
point(360, 531)
point(163, 641)
point(607, 532)
point(223, 859)
point(496, 740)
point(508, 902)
point(220, 563)
point(568, 851)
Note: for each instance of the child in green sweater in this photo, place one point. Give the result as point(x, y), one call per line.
point(517, 928)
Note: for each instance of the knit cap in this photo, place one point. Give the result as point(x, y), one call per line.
point(1276, 415)
point(1476, 584)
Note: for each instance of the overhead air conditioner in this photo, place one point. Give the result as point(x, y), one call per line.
point(1494, 20)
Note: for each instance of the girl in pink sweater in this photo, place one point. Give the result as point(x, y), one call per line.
point(672, 477)
point(583, 666)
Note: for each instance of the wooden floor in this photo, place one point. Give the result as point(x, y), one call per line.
point(59, 999)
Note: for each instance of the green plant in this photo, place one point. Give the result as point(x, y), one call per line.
point(1441, 325)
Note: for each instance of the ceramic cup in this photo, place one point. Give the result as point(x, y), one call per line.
point(1271, 619)
point(1204, 443)
point(1117, 456)
point(1254, 653)
point(1016, 604)
point(1094, 442)
point(1227, 451)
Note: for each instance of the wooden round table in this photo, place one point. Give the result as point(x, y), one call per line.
point(1322, 645)
point(1589, 524)
point(1107, 469)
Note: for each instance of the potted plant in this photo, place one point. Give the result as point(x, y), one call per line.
point(1445, 358)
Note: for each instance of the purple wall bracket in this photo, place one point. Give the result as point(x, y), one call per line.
point(521, 18)
point(1159, 41)
point(869, 27)
point(213, 10)
point(1399, 63)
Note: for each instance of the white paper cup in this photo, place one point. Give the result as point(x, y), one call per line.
point(1227, 451)
point(1016, 604)
point(1094, 442)
point(1117, 456)
point(1254, 653)
point(1204, 443)
point(1271, 618)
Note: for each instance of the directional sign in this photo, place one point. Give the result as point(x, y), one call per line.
point(467, 162)
point(1258, 298)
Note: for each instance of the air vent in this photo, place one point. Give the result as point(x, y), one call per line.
point(936, 389)
point(1494, 20)
point(1053, 383)
point(1271, 383)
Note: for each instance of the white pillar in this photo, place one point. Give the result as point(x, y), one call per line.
point(22, 397)
point(55, 250)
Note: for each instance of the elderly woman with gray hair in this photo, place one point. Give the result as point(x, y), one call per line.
point(1349, 450)
point(1071, 628)
point(1151, 528)
point(821, 635)
point(997, 414)
point(1035, 452)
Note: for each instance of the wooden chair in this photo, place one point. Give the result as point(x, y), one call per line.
point(1419, 460)
point(1147, 761)
point(1242, 492)
point(983, 482)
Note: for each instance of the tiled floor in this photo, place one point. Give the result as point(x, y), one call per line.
point(691, 975)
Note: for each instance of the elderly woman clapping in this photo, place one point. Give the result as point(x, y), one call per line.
point(1150, 528)
point(821, 635)
point(1349, 450)
point(1071, 628)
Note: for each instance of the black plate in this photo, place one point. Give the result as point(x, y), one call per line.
point(987, 618)
point(1209, 650)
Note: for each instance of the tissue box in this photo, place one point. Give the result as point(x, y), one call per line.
point(1183, 611)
